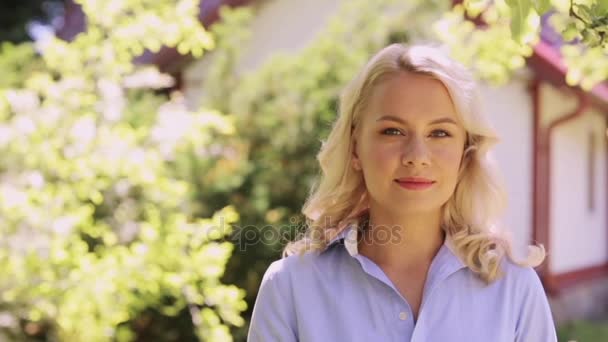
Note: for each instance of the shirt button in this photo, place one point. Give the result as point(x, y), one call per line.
point(403, 315)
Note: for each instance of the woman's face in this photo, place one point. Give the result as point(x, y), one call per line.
point(410, 145)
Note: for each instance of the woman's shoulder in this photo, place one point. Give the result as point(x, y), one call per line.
point(283, 267)
point(523, 280)
point(534, 321)
point(305, 267)
point(518, 271)
point(300, 262)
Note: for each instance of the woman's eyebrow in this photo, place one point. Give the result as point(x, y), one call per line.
point(400, 120)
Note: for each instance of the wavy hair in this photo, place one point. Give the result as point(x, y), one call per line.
point(340, 198)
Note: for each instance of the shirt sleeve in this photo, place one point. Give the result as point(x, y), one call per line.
point(273, 317)
point(535, 322)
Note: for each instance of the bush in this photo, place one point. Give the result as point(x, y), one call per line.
point(583, 331)
point(101, 236)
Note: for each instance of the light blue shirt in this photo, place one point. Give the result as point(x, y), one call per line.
point(341, 295)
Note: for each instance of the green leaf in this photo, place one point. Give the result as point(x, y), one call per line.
point(520, 10)
point(591, 37)
point(542, 6)
point(584, 12)
point(601, 8)
point(571, 32)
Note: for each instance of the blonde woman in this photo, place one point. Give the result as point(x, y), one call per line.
point(400, 244)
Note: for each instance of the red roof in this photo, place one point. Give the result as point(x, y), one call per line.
point(549, 66)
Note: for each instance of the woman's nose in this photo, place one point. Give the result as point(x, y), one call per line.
point(416, 152)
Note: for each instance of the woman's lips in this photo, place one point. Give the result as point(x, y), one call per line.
point(415, 184)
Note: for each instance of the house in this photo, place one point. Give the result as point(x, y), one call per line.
point(553, 151)
point(569, 184)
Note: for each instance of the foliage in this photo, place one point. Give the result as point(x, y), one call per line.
point(17, 61)
point(583, 331)
point(101, 236)
point(284, 108)
point(514, 25)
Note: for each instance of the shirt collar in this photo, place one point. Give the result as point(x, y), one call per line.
point(348, 237)
point(340, 238)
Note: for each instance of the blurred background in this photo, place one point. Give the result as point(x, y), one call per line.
point(155, 154)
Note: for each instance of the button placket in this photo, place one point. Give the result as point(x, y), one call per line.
point(403, 312)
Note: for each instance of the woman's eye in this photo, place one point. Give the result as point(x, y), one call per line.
point(439, 133)
point(391, 131)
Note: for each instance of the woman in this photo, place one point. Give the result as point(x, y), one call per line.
point(400, 244)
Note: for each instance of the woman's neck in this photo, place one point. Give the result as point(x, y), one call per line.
point(402, 243)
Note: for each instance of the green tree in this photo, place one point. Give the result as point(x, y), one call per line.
point(514, 26)
point(100, 235)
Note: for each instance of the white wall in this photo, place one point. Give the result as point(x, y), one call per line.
point(555, 103)
point(279, 26)
point(510, 111)
point(578, 235)
point(286, 26)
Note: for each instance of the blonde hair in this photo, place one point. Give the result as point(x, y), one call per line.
point(340, 197)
